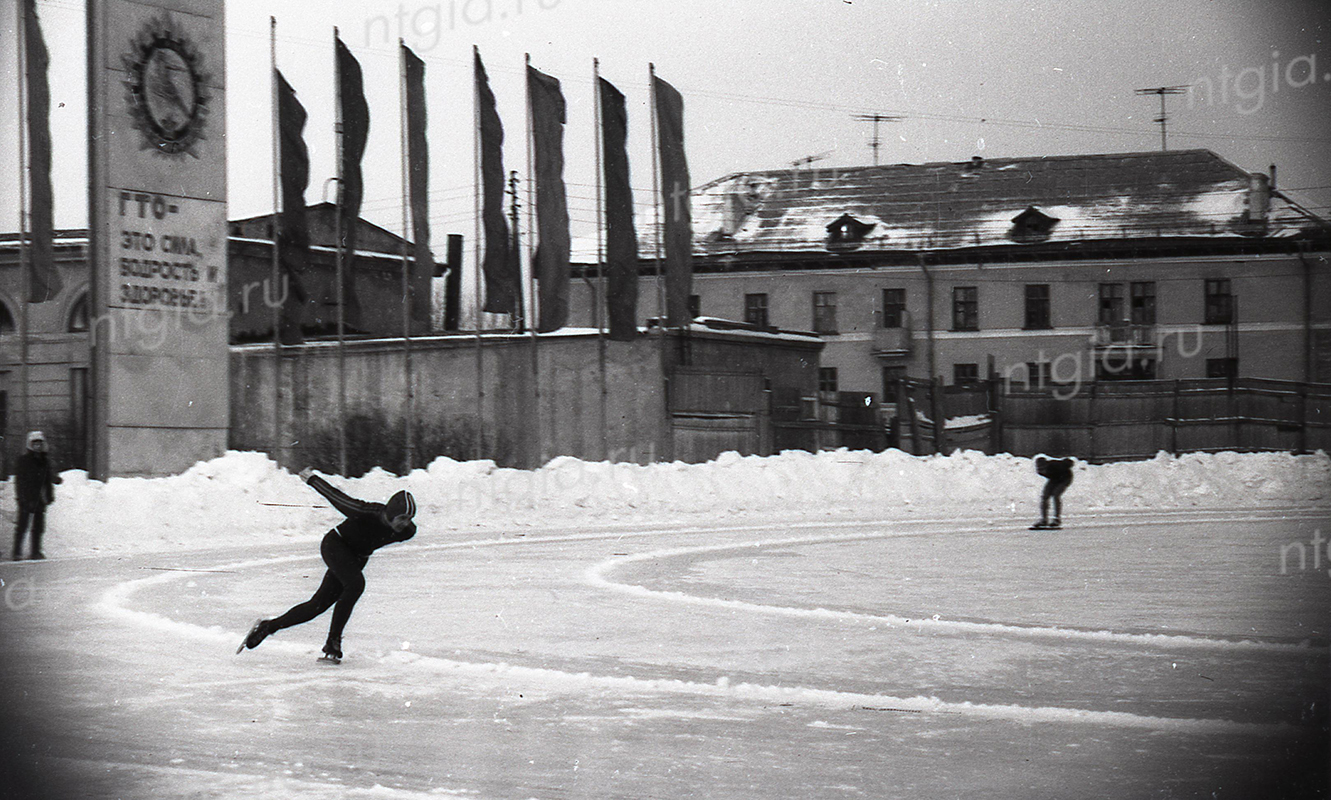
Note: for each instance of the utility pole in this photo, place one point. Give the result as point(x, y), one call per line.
point(1162, 91)
point(876, 142)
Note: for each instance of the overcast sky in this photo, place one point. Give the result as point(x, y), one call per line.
point(765, 84)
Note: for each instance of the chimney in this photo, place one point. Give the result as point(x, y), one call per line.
point(1259, 198)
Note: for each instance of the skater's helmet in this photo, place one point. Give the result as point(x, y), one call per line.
point(400, 504)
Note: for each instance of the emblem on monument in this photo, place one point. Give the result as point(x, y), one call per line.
point(166, 90)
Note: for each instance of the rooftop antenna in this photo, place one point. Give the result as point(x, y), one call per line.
point(801, 162)
point(875, 142)
point(1162, 91)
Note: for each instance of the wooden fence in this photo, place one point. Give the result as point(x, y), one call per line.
point(1115, 420)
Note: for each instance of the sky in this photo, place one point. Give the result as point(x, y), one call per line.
point(765, 85)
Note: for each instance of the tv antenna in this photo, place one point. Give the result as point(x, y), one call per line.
point(875, 142)
point(1162, 91)
point(807, 160)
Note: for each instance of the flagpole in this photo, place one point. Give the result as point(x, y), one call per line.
point(656, 201)
point(25, 163)
point(599, 305)
point(341, 299)
point(480, 359)
point(277, 236)
point(668, 445)
point(409, 412)
point(533, 320)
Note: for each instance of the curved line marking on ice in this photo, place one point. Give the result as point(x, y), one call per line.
point(598, 576)
point(112, 603)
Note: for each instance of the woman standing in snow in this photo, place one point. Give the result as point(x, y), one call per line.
point(345, 549)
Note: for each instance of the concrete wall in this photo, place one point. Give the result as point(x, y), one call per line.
point(519, 428)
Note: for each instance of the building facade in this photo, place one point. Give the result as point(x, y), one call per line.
point(1071, 270)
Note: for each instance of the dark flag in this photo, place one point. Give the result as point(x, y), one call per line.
point(294, 241)
point(418, 187)
point(676, 203)
point(552, 250)
point(621, 241)
point(355, 115)
point(43, 278)
point(503, 293)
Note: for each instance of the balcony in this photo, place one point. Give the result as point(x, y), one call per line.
point(1122, 335)
point(893, 342)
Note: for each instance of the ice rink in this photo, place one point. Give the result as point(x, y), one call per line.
point(1133, 654)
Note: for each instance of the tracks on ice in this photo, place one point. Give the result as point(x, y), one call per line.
point(116, 603)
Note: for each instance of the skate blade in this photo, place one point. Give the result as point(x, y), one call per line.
point(327, 659)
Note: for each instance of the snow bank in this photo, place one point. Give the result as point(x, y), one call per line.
point(246, 498)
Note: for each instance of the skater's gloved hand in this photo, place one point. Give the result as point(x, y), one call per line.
point(306, 473)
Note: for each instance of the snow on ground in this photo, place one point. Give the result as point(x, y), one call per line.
point(245, 498)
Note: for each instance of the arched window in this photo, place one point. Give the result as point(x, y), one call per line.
point(78, 315)
point(6, 320)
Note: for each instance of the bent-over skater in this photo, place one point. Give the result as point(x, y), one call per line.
point(1058, 477)
point(345, 549)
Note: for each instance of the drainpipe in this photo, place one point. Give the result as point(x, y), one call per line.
point(1307, 313)
point(935, 404)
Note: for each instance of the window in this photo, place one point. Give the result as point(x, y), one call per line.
point(755, 310)
point(824, 312)
point(965, 308)
point(827, 380)
point(1143, 303)
point(965, 374)
point(894, 308)
point(1114, 365)
point(6, 319)
point(80, 410)
point(1111, 303)
point(695, 306)
point(1219, 303)
point(847, 229)
point(892, 375)
point(1037, 306)
point(1032, 225)
point(1222, 367)
point(1038, 374)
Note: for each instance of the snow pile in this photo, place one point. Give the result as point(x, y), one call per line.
point(246, 498)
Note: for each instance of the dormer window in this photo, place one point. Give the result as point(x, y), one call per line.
point(1032, 225)
point(846, 230)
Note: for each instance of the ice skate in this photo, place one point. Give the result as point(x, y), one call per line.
point(261, 630)
point(332, 652)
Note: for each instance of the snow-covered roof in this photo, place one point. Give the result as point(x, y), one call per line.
point(946, 205)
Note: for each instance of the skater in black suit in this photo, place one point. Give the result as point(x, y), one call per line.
point(345, 549)
point(1057, 473)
